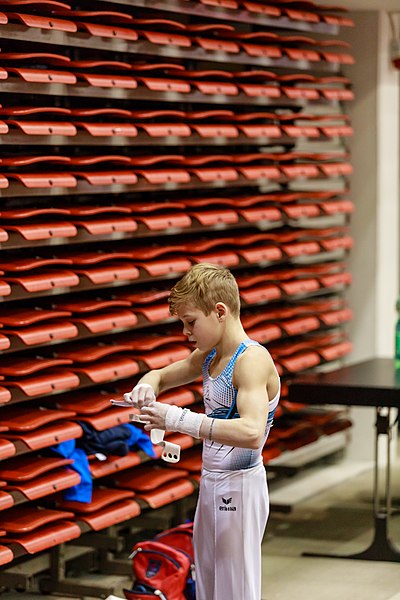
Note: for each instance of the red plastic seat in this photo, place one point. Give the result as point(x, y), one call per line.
point(107, 507)
point(166, 266)
point(43, 231)
point(106, 226)
point(42, 538)
point(5, 342)
point(300, 325)
point(7, 448)
point(154, 313)
point(44, 281)
point(146, 477)
point(164, 220)
point(113, 464)
point(336, 425)
point(118, 512)
point(45, 436)
point(20, 418)
point(215, 217)
point(111, 320)
point(167, 493)
point(260, 293)
point(91, 404)
point(215, 130)
point(115, 272)
point(169, 38)
point(165, 129)
point(112, 416)
point(42, 333)
point(6, 500)
point(336, 317)
point(270, 452)
point(41, 385)
point(47, 76)
point(19, 367)
point(265, 333)
point(335, 351)
point(263, 9)
point(301, 15)
point(21, 520)
point(19, 469)
point(43, 485)
point(231, 4)
point(300, 361)
point(107, 370)
point(6, 555)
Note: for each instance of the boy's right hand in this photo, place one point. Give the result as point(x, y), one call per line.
point(141, 395)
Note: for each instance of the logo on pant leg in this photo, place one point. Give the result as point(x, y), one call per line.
point(226, 504)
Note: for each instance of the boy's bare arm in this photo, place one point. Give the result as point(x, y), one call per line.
point(252, 374)
point(159, 380)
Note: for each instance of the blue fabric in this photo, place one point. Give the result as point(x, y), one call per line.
point(110, 441)
point(140, 438)
point(82, 492)
point(116, 440)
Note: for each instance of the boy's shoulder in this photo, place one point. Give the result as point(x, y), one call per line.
point(256, 354)
point(254, 365)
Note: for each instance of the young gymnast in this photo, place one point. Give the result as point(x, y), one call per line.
point(241, 390)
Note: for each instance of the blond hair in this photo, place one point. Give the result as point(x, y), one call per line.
point(203, 286)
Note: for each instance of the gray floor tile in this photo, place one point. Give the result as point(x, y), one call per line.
point(336, 520)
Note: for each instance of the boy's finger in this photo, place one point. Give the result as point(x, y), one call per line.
point(128, 398)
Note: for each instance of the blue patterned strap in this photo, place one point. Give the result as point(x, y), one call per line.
point(232, 412)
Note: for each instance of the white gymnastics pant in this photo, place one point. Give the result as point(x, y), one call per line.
point(229, 524)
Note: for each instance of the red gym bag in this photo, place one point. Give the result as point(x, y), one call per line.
point(159, 570)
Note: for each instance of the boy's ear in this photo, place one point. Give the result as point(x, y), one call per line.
point(221, 309)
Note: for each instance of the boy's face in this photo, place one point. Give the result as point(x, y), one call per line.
point(203, 331)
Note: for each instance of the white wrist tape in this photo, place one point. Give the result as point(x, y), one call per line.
point(183, 420)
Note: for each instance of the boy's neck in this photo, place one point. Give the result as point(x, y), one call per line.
point(233, 336)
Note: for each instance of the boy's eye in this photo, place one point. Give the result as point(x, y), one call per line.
point(190, 323)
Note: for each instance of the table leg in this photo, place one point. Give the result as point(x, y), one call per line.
point(381, 547)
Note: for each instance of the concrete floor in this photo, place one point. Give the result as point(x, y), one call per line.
point(336, 520)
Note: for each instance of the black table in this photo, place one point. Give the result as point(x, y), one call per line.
point(370, 383)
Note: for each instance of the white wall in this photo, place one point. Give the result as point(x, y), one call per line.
point(388, 193)
point(374, 261)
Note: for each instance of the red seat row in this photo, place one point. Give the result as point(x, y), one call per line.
point(33, 225)
point(36, 68)
point(90, 269)
point(49, 120)
point(122, 25)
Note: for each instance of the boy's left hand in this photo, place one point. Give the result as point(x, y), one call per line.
point(154, 415)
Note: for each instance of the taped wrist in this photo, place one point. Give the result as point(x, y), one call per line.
point(183, 420)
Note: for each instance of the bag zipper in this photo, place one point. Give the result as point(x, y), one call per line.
point(175, 562)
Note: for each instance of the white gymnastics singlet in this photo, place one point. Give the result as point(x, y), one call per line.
point(219, 401)
point(233, 505)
